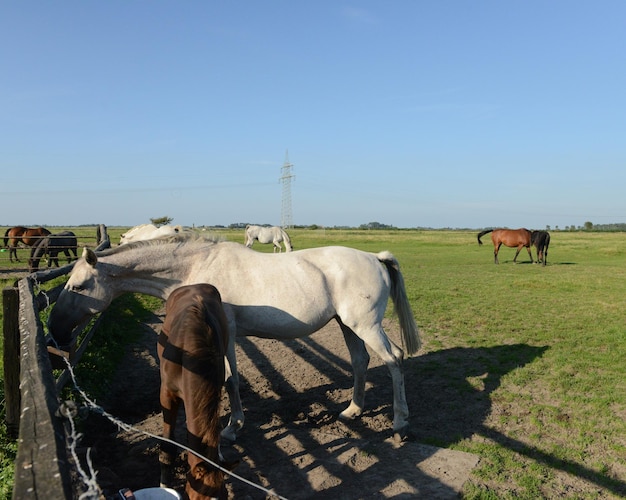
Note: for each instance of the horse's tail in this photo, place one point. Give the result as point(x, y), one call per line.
point(286, 240)
point(6, 237)
point(408, 327)
point(481, 234)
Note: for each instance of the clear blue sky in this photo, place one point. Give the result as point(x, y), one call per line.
point(408, 113)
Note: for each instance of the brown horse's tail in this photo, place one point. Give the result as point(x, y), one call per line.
point(6, 237)
point(481, 234)
point(408, 328)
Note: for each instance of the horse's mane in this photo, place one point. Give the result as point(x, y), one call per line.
point(181, 238)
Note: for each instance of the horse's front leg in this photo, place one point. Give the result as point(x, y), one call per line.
point(167, 455)
point(235, 422)
point(531, 255)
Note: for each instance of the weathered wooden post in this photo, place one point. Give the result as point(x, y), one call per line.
point(42, 465)
point(11, 358)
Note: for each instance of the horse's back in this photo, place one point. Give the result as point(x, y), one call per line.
point(511, 237)
point(188, 311)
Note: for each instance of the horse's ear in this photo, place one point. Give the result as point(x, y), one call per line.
point(90, 256)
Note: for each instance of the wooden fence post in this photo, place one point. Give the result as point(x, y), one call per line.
point(11, 358)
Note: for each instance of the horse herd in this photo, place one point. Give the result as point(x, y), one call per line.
point(519, 238)
point(215, 290)
point(42, 243)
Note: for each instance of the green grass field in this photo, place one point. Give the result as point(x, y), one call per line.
point(521, 364)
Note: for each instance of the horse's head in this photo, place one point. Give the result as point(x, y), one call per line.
point(205, 482)
point(87, 292)
point(33, 265)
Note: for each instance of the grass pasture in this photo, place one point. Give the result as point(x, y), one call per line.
point(521, 364)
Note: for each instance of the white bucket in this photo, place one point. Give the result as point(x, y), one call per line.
point(156, 494)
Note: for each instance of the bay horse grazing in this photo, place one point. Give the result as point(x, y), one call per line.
point(273, 234)
point(191, 350)
point(316, 285)
point(541, 241)
point(20, 234)
point(519, 238)
point(52, 245)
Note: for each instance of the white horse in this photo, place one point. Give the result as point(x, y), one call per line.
point(265, 234)
point(317, 285)
point(148, 232)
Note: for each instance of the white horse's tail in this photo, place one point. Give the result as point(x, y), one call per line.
point(249, 238)
point(408, 327)
point(286, 240)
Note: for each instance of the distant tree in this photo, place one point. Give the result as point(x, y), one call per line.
point(548, 227)
point(374, 225)
point(161, 221)
point(588, 226)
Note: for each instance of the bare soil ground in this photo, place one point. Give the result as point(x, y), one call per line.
point(292, 441)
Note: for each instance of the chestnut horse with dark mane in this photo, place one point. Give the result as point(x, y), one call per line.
point(20, 234)
point(519, 238)
point(191, 350)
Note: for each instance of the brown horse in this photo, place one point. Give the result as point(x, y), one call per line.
point(541, 241)
point(20, 234)
point(519, 238)
point(191, 350)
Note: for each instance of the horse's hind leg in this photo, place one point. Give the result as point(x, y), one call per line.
point(392, 356)
point(13, 252)
point(496, 249)
point(360, 360)
point(519, 249)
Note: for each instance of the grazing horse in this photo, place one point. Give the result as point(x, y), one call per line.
point(272, 234)
point(20, 234)
point(148, 232)
point(541, 241)
point(191, 350)
point(316, 285)
point(519, 238)
point(51, 245)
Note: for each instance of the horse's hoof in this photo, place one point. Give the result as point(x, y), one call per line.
point(403, 434)
point(229, 433)
point(351, 412)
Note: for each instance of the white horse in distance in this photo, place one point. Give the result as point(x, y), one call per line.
point(148, 232)
point(272, 234)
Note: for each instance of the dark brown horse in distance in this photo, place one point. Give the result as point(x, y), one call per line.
point(52, 245)
point(20, 234)
point(514, 238)
point(541, 241)
point(191, 350)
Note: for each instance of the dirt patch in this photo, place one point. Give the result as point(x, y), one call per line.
point(292, 441)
